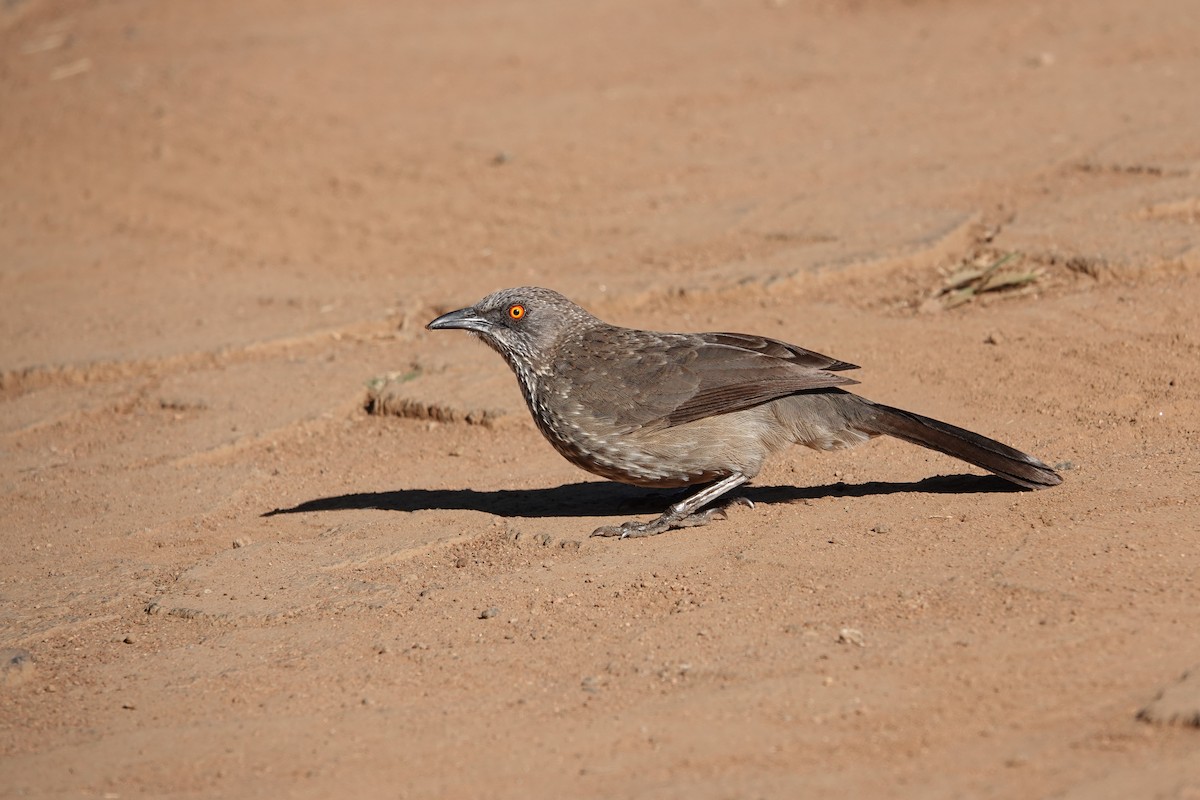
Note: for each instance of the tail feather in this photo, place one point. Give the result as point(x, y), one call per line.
point(1007, 462)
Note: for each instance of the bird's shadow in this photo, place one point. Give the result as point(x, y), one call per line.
point(602, 499)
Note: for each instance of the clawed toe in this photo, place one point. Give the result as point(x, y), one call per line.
point(720, 512)
point(701, 518)
point(668, 522)
point(622, 531)
point(633, 529)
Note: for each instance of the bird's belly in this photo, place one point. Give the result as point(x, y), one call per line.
point(620, 458)
point(666, 457)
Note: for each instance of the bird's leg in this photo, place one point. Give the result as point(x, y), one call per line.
point(684, 514)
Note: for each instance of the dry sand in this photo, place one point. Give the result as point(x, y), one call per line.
point(224, 224)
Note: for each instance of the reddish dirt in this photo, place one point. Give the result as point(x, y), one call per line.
point(224, 224)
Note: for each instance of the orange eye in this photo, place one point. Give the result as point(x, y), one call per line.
point(517, 311)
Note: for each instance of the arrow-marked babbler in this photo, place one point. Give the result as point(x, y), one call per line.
point(685, 409)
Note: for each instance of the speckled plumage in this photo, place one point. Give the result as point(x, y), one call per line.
point(680, 409)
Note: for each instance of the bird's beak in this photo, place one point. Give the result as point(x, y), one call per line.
point(468, 319)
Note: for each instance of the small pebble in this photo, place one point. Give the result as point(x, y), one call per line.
point(852, 636)
point(16, 666)
point(1177, 703)
point(488, 613)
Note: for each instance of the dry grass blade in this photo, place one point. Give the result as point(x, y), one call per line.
point(971, 280)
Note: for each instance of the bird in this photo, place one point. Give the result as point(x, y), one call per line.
point(693, 409)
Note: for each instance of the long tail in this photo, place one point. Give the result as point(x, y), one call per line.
point(1007, 462)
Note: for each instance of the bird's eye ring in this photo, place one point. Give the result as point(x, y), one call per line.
point(516, 311)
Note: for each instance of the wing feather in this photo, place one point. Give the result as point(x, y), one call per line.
point(639, 380)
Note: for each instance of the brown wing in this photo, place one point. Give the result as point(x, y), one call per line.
point(637, 379)
point(797, 356)
point(737, 371)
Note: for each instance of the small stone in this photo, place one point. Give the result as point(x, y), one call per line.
point(130, 639)
point(461, 562)
point(16, 666)
point(993, 338)
point(488, 613)
point(570, 544)
point(881, 527)
point(1177, 704)
point(852, 636)
point(241, 541)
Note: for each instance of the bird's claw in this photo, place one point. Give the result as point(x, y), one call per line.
point(705, 517)
point(702, 518)
point(633, 529)
point(670, 522)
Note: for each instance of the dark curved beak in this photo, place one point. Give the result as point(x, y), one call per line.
point(468, 319)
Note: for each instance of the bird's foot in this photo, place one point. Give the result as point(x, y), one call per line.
point(718, 512)
point(670, 521)
point(634, 529)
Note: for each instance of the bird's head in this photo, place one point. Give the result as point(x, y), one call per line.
point(524, 324)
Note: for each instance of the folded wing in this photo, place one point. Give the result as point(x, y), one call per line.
point(672, 379)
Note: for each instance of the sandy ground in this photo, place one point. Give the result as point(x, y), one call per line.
point(224, 224)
